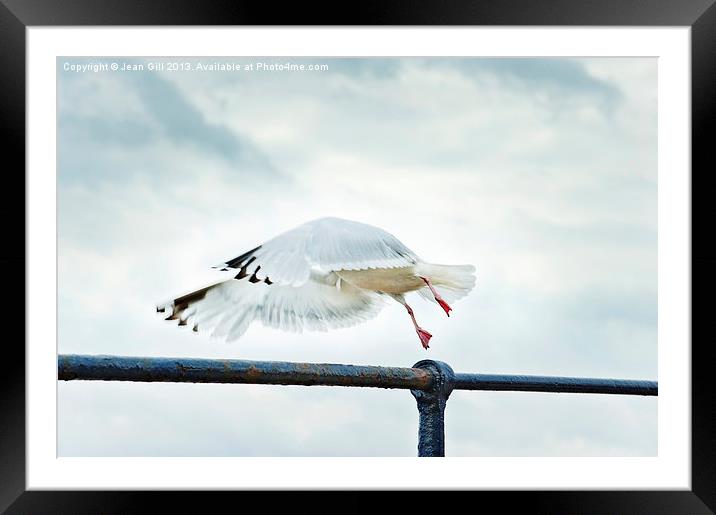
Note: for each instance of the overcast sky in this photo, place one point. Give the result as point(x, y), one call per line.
point(540, 172)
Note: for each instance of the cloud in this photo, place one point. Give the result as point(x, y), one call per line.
point(141, 124)
point(561, 78)
point(184, 124)
point(542, 173)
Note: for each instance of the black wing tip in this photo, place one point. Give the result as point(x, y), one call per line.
point(238, 261)
point(253, 278)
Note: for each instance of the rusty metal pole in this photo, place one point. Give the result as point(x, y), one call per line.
point(190, 370)
point(430, 382)
point(431, 406)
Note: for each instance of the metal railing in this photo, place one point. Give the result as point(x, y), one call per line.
point(430, 382)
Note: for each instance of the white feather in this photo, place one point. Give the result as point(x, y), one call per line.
point(452, 282)
point(228, 308)
point(325, 245)
point(324, 274)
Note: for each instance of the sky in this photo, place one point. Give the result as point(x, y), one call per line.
point(541, 172)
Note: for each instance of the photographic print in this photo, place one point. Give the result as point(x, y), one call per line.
point(495, 214)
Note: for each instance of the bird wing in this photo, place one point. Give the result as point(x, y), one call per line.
point(226, 309)
point(326, 244)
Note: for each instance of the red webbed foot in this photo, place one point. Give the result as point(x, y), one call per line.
point(424, 337)
point(444, 305)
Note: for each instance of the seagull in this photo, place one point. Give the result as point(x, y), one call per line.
point(327, 273)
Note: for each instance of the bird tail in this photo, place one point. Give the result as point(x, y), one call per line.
point(452, 281)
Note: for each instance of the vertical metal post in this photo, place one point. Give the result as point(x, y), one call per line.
point(431, 406)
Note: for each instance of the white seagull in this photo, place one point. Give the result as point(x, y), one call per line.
point(324, 274)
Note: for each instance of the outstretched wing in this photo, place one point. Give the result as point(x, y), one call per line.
point(326, 245)
point(226, 309)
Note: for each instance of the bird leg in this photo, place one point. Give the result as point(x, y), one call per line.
point(437, 296)
point(422, 333)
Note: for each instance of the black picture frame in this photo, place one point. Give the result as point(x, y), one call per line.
point(16, 15)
